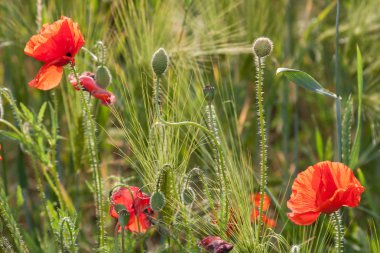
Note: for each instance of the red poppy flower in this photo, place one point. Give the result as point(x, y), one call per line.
point(215, 244)
point(323, 188)
point(88, 83)
point(255, 199)
point(136, 203)
point(55, 45)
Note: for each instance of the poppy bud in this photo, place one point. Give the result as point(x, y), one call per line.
point(103, 76)
point(262, 47)
point(215, 244)
point(160, 62)
point(157, 201)
point(209, 93)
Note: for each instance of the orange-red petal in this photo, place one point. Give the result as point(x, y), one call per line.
point(47, 77)
point(255, 199)
point(324, 187)
point(55, 41)
point(306, 218)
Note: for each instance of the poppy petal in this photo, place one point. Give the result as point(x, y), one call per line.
point(303, 218)
point(48, 77)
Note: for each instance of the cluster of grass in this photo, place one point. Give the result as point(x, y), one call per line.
point(48, 139)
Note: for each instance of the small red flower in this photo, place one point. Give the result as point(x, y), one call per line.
point(1, 158)
point(88, 83)
point(215, 244)
point(323, 188)
point(55, 45)
point(136, 203)
point(255, 199)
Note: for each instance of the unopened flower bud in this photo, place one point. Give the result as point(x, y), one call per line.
point(103, 76)
point(262, 47)
point(160, 62)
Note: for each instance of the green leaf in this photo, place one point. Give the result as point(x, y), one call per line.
point(41, 113)
point(27, 113)
point(356, 146)
point(11, 135)
point(304, 80)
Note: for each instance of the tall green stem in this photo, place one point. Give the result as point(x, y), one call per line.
point(337, 221)
point(90, 132)
point(337, 85)
point(262, 135)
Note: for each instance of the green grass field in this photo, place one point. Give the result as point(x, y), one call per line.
point(189, 126)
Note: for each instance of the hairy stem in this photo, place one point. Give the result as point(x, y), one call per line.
point(262, 135)
point(336, 220)
point(90, 132)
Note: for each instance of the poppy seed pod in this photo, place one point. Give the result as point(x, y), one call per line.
point(160, 62)
point(262, 47)
point(103, 76)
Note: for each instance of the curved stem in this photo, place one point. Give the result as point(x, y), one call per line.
point(208, 133)
point(94, 162)
point(262, 134)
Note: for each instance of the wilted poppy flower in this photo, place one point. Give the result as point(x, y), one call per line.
point(88, 83)
point(215, 244)
point(136, 204)
point(323, 188)
point(55, 45)
point(255, 199)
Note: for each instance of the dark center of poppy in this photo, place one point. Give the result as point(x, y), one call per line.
point(69, 54)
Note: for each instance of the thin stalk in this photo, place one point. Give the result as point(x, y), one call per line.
point(337, 85)
point(94, 163)
point(262, 134)
point(53, 148)
point(5, 169)
point(207, 132)
point(336, 218)
point(122, 239)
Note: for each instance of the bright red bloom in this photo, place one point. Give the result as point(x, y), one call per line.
point(55, 45)
point(323, 188)
point(215, 243)
point(255, 199)
point(88, 83)
point(137, 205)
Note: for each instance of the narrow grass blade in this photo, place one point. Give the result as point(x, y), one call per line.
point(304, 80)
point(356, 145)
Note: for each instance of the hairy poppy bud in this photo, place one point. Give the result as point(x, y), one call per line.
point(262, 47)
point(157, 201)
point(160, 62)
point(103, 76)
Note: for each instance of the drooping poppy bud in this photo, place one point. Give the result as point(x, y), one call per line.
point(215, 244)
